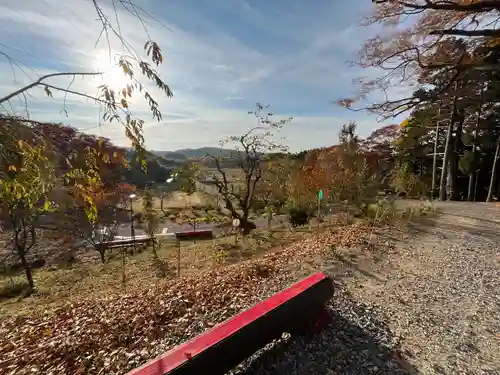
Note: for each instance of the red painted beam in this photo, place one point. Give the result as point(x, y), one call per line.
point(209, 349)
point(194, 234)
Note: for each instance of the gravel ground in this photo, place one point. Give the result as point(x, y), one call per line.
point(425, 301)
point(355, 341)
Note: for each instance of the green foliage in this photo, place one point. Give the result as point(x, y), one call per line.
point(380, 212)
point(187, 175)
point(32, 179)
point(468, 162)
point(405, 181)
point(24, 193)
point(194, 217)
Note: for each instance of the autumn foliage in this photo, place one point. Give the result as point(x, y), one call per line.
point(414, 39)
point(344, 170)
point(106, 195)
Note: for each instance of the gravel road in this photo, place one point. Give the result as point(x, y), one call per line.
point(425, 301)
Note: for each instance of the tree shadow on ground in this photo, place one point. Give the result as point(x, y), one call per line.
point(486, 228)
point(354, 341)
point(471, 217)
point(354, 265)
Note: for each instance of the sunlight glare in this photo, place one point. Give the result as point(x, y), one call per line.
point(112, 76)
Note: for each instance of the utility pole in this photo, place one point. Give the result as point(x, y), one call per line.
point(471, 190)
point(435, 154)
point(434, 161)
point(447, 147)
point(493, 172)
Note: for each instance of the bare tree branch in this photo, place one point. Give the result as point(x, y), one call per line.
point(468, 33)
point(40, 81)
point(482, 5)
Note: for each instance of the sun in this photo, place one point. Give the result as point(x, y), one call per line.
point(112, 75)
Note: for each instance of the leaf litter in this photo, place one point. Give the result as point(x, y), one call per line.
point(114, 334)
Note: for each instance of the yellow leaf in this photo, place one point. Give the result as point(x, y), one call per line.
point(493, 42)
point(12, 168)
point(20, 143)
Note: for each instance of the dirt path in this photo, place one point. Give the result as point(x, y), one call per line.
point(440, 291)
point(426, 301)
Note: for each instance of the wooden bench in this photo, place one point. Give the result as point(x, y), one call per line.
point(221, 348)
point(181, 236)
point(114, 244)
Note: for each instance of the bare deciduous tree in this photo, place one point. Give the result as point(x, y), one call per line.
point(250, 151)
point(441, 38)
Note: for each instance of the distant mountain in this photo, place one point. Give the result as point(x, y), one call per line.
point(173, 160)
point(194, 153)
point(171, 155)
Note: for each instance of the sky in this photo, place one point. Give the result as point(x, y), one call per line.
point(221, 57)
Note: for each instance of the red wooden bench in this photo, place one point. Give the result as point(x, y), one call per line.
point(221, 348)
point(201, 234)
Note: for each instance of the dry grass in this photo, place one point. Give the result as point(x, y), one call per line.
point(56, 287)
point(177, 200)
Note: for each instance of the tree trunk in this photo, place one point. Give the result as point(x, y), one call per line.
point(124, 276)
point(498, 187)
point(20, 246)
point(470, 188)
point(246, 226)
point(102, 255)
point(153, 243)
point(453, 169)
point(493, 173)
point(27, 269)
point(161, 205)
point(446, 158)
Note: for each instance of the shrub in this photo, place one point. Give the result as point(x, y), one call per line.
point(380, 212)
point(408, 184)
point(371, 210)
point(298, 217)
point(13, 290)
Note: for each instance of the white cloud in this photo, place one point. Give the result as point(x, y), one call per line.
point(294, 60)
